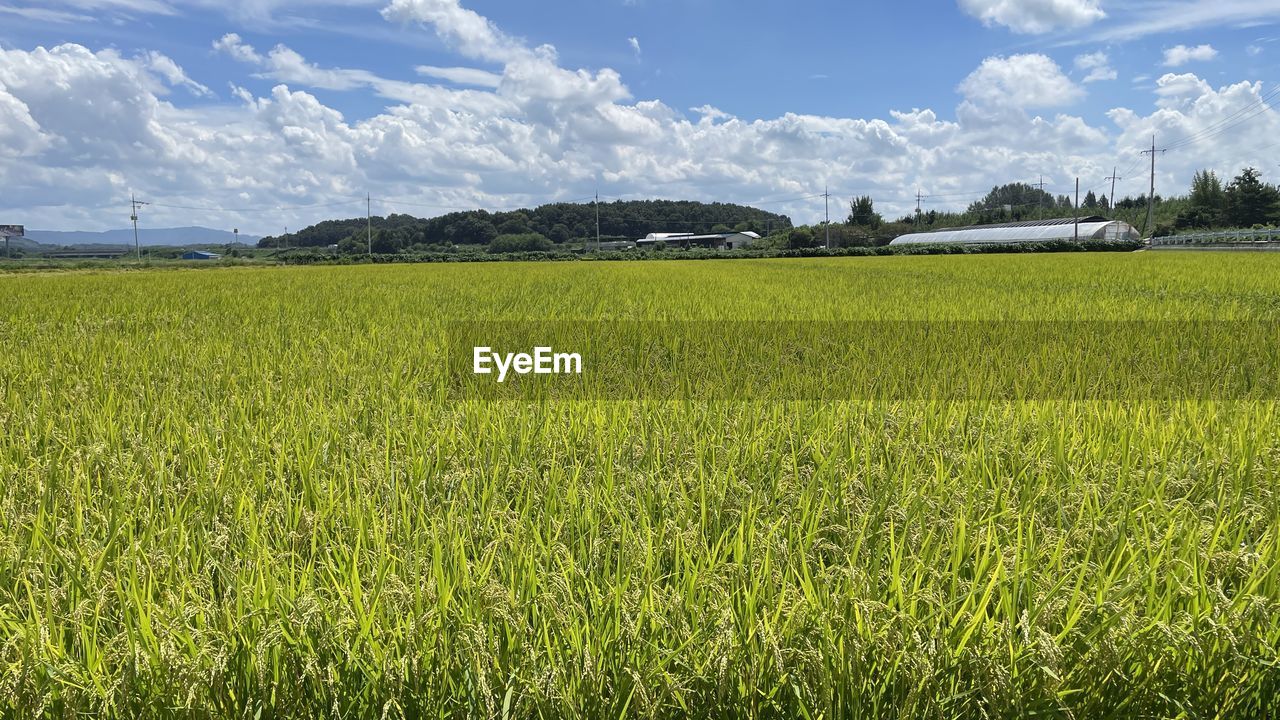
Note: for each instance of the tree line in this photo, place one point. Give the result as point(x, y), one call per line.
point(1244, 202)
point(541, 228)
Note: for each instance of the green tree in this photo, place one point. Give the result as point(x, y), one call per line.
point(560, 233)
point(862, 213)
point(1014, 201)
point(1090, 201)
point(802, 237)
point(384, 242)
point(515, 223)
point(523, 242)
point(1249, 201)
point(471, 230)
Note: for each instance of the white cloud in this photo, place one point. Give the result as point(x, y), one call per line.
point(635, 45)
point(261, 12)
point(1035, 16)
point(166, 68)
point(469, 32)
point(1097, 67)
point(1164, 16)
point(151, 7)
point(78, 129)
point(1253, 50)
point(1020, 81)
point(1179, 55)
point(45, 15)
point(461, 75)
point(1180, 91)
point(232, 45)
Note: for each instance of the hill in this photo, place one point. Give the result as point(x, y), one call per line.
point(146, 236)
point(560, 222)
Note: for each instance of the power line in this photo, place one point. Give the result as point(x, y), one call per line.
point(1235, 119)
point(263, 209)
point(1112, 198)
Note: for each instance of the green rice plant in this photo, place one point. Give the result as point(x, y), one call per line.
point(252, 492)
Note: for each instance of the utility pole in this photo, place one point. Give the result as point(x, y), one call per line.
point(368, 199)
point(1076, 212)
point(135, 204)
point(597, 219)
point(826, 204)
point(1151, 196)
point(1111, 202)
point(1040, 199)
point(919, 197)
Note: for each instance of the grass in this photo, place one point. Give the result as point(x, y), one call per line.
point(248, 492)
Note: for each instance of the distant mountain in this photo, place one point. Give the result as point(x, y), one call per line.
point(20, 244)
point(148, 236)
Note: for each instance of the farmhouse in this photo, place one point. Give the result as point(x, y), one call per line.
point(199, 255)
point(714, 241)
point(1090, 228)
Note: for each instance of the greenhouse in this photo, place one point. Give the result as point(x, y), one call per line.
point(1088, 228)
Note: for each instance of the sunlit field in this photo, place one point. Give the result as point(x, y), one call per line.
point(252, 492)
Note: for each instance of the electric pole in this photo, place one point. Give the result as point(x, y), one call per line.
point(368, 199)
point(597, 220)
point(1040, 199)
point(1111, 203)
point(826, 204)
point(1076, 211)
point(1151, 197)
point(918, 198)
point(135, 204)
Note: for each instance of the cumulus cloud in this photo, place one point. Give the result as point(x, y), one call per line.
point(232, 45)
point(1020, 81)
point(1035, 16)
point(79, 128)
point(1096, 66)
point(1179, 55)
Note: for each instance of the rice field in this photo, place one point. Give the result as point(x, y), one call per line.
point(255, 493)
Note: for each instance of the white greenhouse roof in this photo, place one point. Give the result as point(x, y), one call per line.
point(1096, 228)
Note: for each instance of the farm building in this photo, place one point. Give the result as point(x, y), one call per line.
point(199, 255)
point(714, 241)
point(1090, 228)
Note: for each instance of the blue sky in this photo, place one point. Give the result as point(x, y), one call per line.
point(252, 111)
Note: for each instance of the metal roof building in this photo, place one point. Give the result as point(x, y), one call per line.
point(718, 241)
point(1090, 228)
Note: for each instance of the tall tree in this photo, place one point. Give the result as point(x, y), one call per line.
point(1014, 201)
point(1206, 205)
point(1249, 201)
point(1090, 201)
point(862, 213)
